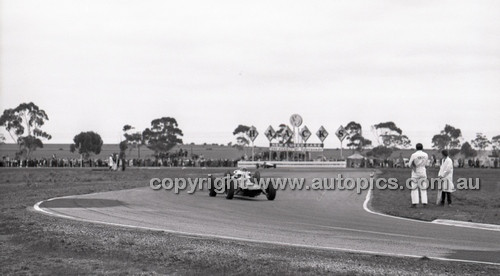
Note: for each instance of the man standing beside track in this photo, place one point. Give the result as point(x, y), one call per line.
point(446, 174)
point(418, 161)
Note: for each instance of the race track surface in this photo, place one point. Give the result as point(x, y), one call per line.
point(324, 219)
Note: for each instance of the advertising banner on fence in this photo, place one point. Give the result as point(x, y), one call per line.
point(301, 147)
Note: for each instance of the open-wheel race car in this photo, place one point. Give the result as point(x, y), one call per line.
point(242, 182)
point(265, 165)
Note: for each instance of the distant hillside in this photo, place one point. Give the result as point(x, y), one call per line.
point(208, 151)
point(62, 151)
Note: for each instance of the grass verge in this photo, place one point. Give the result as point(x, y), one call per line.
point(482, 205)
point(33, 243)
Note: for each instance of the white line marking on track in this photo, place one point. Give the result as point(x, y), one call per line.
point(365, 206)
point(361, 231)
point(482, 226)
point(436, 222)
point(42, 210)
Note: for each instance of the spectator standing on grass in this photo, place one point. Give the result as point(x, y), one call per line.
point(418, 161)
point(446, 175)
point(115, 162)
point(110, 162)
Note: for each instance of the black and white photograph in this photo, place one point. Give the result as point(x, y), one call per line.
point(249, 137)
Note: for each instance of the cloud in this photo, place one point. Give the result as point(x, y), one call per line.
point(259, 62)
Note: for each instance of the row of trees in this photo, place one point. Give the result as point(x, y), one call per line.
point(389, 138)
point(161, 137)
point(388, 135)
point(450, 139)
point(24, 125)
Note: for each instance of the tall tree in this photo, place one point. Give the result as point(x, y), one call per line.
point(133, 139)
point(24, 124)
point(358, 142)
point(391, 136)
point(355, 138)
point(380, 152)
point(468, 151)
point(242, 139)
point(448, 138)
point(353, 128)
point(163, 135)
point(481, 142)
point(495, 143)
point(87, 143)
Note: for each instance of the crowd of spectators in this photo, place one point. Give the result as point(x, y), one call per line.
point(197, 161)
point(97, 162)
point(433, 162)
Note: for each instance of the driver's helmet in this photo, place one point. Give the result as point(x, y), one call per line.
point(244, 169)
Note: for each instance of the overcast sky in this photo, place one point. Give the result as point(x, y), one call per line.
point(98, 65)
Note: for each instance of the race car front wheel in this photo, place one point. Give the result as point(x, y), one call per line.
point(211, 188)
point(228, 185)
point(271, 192)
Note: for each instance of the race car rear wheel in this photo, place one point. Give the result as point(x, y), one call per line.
point(228, 185)
point(211, 187)
point(271, 192)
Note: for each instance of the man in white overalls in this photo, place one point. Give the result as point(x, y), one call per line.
point(446, 175)
point(418, 161)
